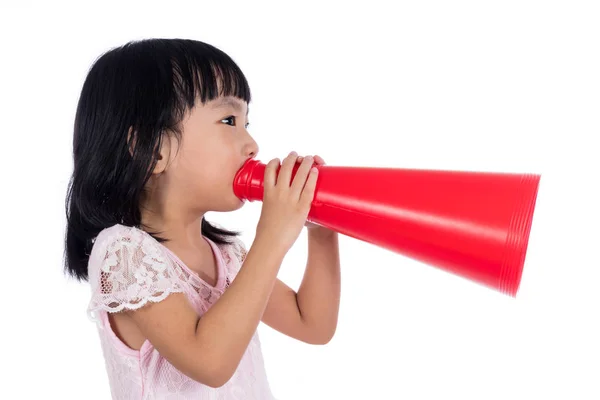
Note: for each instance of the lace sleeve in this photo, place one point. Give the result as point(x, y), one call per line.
point(127, 270)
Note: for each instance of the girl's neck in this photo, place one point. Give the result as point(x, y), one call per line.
point(184, 232)
point(165, 211)
point(173, 223)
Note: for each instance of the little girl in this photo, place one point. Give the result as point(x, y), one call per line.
point(160, 131)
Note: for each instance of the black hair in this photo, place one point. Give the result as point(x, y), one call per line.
point(146, 86)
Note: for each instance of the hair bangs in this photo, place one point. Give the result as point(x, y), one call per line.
point(205, 75)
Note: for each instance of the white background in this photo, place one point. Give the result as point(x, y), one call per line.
point(476, 85)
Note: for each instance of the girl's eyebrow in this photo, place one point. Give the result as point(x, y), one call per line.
point(230, 102)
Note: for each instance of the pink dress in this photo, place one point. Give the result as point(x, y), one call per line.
point(127, 269)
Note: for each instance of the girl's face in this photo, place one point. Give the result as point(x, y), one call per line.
point(214, 146)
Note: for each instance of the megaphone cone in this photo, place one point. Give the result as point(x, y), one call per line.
point(472, 224)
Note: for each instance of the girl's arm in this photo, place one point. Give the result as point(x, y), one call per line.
point(209, 348)
point(310, 315)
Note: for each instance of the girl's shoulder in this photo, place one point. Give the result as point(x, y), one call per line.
point(120, 233)
point(124, 245)
point(127, 268)
point(119, 243)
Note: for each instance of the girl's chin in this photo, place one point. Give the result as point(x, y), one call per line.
point(235, 204)
point(240, 203)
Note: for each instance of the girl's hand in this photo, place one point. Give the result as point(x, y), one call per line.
point(286, 204)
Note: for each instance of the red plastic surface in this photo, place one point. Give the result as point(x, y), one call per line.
point(473, 224)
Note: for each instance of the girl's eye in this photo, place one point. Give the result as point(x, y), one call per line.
point(231, 121)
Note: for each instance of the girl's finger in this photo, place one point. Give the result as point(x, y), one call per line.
point(319, 160)
point(285, 173)
point(270, 173)
point(301, 174)
point(308, 192)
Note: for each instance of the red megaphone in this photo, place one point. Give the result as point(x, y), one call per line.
point(473, 224)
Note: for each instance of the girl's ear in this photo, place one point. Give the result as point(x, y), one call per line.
point(162, 154)
point(130, 141)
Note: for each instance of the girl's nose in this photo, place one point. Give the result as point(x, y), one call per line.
point(252, 149)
